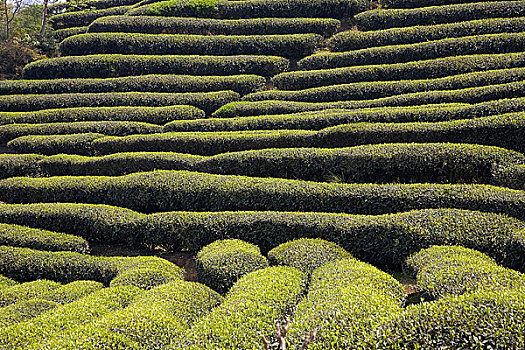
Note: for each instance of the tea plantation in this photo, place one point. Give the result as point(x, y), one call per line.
point(340, 174)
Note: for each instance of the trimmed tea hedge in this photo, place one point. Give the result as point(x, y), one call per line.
point(154, 115)
point(26, 264)
point(117, 128)
point(384, 240)
point(73, 291)
point(265, 296)
point(452, 270)
point(90, 4)
point(242, 84)
point(107, 66)
point(346, 301)
point(468, 45)
point(145, 278)
point(347, 92)
point(181, 190)
point(220, 264)
point(61, 34)
point(423, 3)
point(24, 311)
point(252, 9)
point(306, 254)
point(66, 317)
point(480, 319)
point(19, 165)
point(292, 46)
point(54, 144)
point(207, 101)
point(512, 176)
point(382, 19)
point(436, 68)
point(21, 236)
point(169, 25)
point(84, 18)
point(355, 40)
point(376, 89)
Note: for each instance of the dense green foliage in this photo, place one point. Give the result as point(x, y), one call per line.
point(84, 18)
point(61, 34)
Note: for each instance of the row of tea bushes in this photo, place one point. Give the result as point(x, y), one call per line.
point(505, 131)
point(152, 115)
point(453, 270)
point(345, 302)
point(423, 3)
point(427, 162)
point(220, 264)
point(69, 316)
point(159, 191)
point(47, 290)
point(355, 40)
point(266, 296)
point(429, 69)
point(382, 19)
point(356, 99)
point(152, 321)
point(207, 101)
point(513, 177)
point(170, 25)
point(108, 66)
point(24, 311)
point(241, 84)
point(468, 45)
point(26, 264)
point(21, 236)
point(61, 34)
point(292, 45)
point(384, 240)
point(253, 9)
point(89, 4)
point(84, 18)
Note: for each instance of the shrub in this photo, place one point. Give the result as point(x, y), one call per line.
point(346, 300)
point(265, 295)
point(62, 34)
point(221, 263)
point(436, 68)
point(170, 25)
point(13, 58)
point(181, 190)
point(84, 18)
point(425, 3)
point(53, 144)
point(252, 8)
point(343, 94)
point(468, 45)
point(154, 115)
point(489, 319)
point(242, 84)
point(19, 165)
point(145, 278)
point(452, 270)
point(306, 254)
point(24, 311)
point(207, 101)
point(121, 128)
point(25, 291)
point(355, 40)
point(512, 176)
point(107, 66)
point(381, 19)
point(70, 292)
point(293, 45)
point(21, 236)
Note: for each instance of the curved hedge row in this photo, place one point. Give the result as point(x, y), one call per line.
point(346, 301)
point(21, 236)
point(436, 68)
point(153, 115)
point(242, 84)
point(90, 4)
point(51, 144)
point(483, 318)
point(24, 311)
point(265, 296)
point(382, 19)
point(181, 190)
point(355, 40)
point(20, 165)
point(291, 46)
point(26, 264)
point(453, 270)
point(384, 240)
point(117, 128)
point(169, 25)
point(424, 3)
point(84, 18)
point(61, 34)
point(513, 176)
point(107, 66)
point(67, 317)
point(468, 45)
point(207, 101)
point(306, 254)
point(221, 263)
point(405, 92)
point(252, 9)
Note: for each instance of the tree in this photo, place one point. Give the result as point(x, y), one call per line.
point(9, 13)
